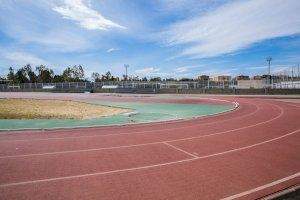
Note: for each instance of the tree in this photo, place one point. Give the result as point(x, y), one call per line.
point(75, 73)
point(106, 77)
point(11, 75)
point(21, 76)
point(124, 77)
point(136, 78)
point(79, 72)
point(145, 79)
point(155, 79)
point(30, 74)
point(58, 78)
point(171, 79)
point(45, 75)
point(114, 78)
point(186, 79)
point(2, 78)
point(96, 77)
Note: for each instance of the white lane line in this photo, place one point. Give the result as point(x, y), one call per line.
point(151, 143)
point(130, 133)
point(250, 146)
point(293, 105)
point(81, 150)
point(281, 193)
point(147, 166)
point(181, 150)
point(262, 187)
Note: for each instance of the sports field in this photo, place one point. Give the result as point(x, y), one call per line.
point(247, 152)
point(53, 109)
point(54, 113)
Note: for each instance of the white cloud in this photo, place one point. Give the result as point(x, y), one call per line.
point(184, 69)
point(281, 70)
point(258, 67)
point(187, 7)
point(60, 40)
point(153, 72)
point(112, 49)
point(44, 30)
point(156, 72)
point(275, 69)
point(235, 26)
point(181, 69)
point(176, 4)
point(292, 58)
point(149, 70)
point(22, 58)
point(85, 16)
point(219, 72)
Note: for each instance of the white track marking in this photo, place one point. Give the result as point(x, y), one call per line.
point(130, 133)
point(151, 143)
point(290, 104)
point(181, 150)
point(81, 150)
point(281, 193)
point(262, 187)
point(145, 167)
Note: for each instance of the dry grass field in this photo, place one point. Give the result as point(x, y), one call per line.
point(53, 109)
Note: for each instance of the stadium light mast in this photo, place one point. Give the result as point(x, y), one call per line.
point(269, 59)
point(298, 73)
point(126, 69)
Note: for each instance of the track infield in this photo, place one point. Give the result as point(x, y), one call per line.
point(247, 153)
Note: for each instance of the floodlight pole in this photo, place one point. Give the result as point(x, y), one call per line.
point(126, 69)
point(298, 73)
point(269, 59)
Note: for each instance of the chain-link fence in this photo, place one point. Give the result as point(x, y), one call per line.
point(207, 84)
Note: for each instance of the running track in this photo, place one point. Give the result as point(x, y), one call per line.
point(247, 153)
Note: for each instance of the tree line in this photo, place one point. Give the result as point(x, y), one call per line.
point(44, 74)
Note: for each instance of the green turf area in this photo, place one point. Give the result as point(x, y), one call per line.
point(141, 113)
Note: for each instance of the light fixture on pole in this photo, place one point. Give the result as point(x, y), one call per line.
point(269, 59)
point(126, 69)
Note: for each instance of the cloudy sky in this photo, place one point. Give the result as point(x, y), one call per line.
point(167, 38)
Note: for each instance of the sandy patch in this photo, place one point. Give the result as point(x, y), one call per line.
point(53, 109)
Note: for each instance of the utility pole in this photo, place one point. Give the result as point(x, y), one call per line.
point(269, 59)
point(298, 73)
point(126, 69)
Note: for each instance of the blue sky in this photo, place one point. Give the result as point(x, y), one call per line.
point(167, 38)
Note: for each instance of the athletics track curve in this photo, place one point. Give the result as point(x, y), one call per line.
point(248, 153)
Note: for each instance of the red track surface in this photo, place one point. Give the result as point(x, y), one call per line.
point(247, 153)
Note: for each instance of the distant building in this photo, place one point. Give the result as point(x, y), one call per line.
point(247, 84)
point(242, 77)
point(266, 76)
point(222, 78)
point(214, 79)
point(276, 78)
point(257, 77)
point(284, 77)
point(203, 78)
